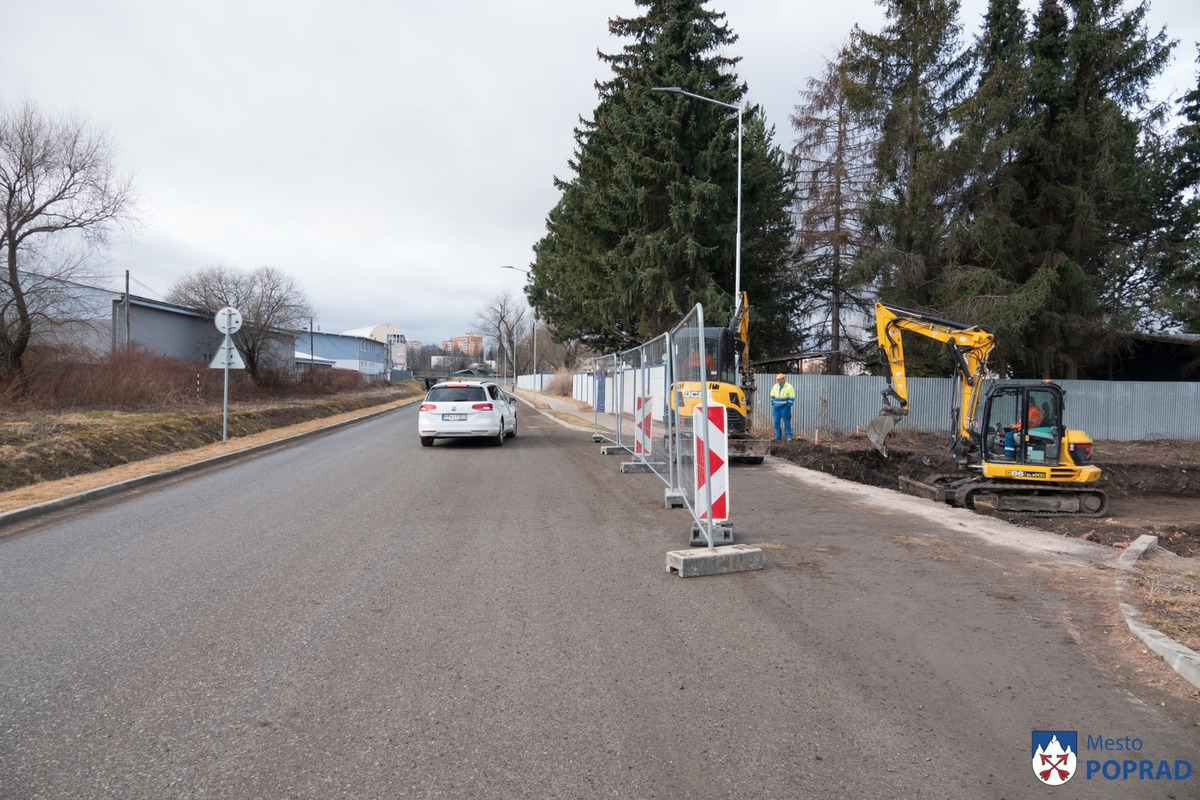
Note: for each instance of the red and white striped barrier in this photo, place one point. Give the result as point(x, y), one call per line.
point(642, 437)
point(713, 432)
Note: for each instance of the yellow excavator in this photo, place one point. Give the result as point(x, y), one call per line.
point(726, 357)
point(1024, 458)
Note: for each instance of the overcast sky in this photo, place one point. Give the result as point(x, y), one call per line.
point(388, 154)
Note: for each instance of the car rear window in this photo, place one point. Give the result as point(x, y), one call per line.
point(455, 394)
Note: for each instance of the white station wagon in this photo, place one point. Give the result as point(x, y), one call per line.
point(467, 408)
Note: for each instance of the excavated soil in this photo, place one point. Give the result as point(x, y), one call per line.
point(1154, 486)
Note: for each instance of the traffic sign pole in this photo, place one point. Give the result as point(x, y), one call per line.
point(228, 321)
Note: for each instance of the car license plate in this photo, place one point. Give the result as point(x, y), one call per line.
point(454, 417)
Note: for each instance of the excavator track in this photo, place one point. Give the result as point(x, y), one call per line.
point(1041, 501)
point(1013, 497)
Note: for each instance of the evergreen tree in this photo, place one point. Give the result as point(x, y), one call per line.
point(909, 76)
point(1043, 218)
point(986, 282)
point(832, 157)
point(1180, 269)
point(1085, 179)
point(645, 228)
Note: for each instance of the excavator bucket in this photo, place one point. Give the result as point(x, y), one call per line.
point(878, 430)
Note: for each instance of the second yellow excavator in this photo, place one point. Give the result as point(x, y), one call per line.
point(727, 359)
point(1024, 458)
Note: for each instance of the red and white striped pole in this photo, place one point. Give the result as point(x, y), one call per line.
point(712, 476)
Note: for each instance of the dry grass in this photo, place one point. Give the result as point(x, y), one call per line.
point(1169, 599)
point(73, 418)
point(135, 379)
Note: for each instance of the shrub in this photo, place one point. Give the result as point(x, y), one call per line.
point(561, 384)
point(133, 378)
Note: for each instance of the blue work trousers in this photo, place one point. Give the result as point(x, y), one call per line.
point(782, 412)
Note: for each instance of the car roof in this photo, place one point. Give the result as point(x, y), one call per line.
point(464, 382)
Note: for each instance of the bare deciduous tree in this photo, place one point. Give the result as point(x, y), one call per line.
point(60, 196)
point(832, 156)
point(505, 319)
point(566, 354)
point(270, 301)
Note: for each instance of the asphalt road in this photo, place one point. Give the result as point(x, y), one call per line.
point(357, 616)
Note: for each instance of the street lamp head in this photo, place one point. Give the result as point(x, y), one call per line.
point(677, 90)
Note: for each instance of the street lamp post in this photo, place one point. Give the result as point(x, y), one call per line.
point(536, 376)
point(737, 251)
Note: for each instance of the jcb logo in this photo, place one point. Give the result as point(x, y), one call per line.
point(691, 394)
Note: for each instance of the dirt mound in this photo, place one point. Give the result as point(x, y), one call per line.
point(1154, 486)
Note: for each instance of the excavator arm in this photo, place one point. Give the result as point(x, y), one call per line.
point(970, 346)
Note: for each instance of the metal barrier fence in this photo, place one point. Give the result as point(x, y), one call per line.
point(605, 399)
point(629, 393)
point(634, 395)
point(691, 358)
point(655, 447)
point(1119, 410)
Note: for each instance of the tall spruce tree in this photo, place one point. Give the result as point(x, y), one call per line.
point(1085, 179)
point(986, 281)
point(1180, 269)
point(909, 76)
point(645, 227)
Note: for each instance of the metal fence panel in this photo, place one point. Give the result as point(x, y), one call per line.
point(605, 399)
point(1119, 410)
point(652, 388)
point(1133, 410)
point(690, 361)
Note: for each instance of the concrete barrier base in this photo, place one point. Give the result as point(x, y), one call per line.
point(673, 498)
point(716, 561)
point(722, 534)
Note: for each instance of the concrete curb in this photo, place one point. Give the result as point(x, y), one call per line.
point(1182, 659)
point(36, 510)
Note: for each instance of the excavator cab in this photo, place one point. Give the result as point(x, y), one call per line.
point(720, 353)
point(717, 365)
point(1022, 424)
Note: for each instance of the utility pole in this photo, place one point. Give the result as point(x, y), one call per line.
point(127, 342)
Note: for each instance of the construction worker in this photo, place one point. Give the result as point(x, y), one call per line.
point(1034, 414)
point(1013, 433)
point(783, 397)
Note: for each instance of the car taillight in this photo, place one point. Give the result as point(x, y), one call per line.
point(482, 407)
point(428, 407)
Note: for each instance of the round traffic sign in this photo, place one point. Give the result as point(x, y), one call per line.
point(228, 320)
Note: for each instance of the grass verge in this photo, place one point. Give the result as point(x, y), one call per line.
point(37, 446)
point(1169, 599)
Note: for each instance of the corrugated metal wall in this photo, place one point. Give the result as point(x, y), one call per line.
point(1119, 410)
